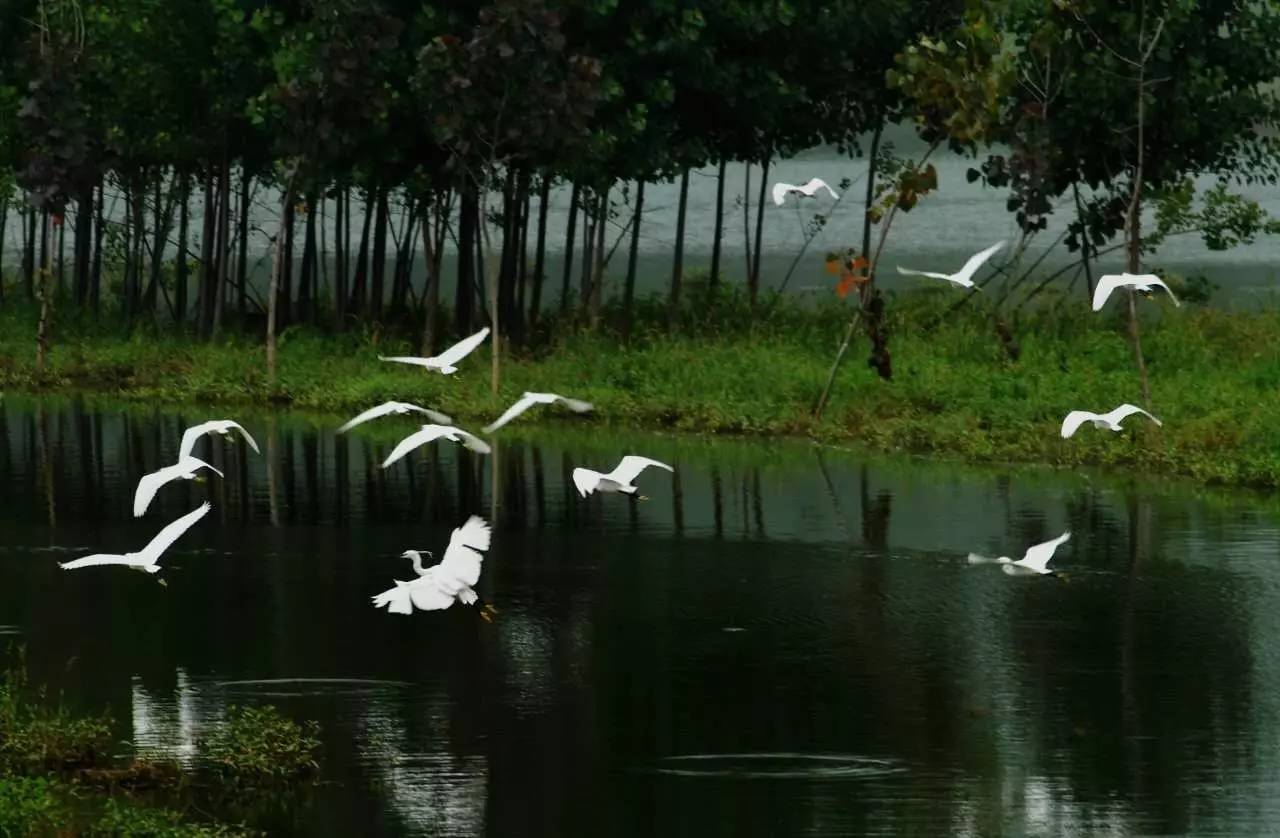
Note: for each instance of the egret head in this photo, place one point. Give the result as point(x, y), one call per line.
point(416, 555)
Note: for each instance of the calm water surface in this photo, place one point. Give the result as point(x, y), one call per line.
point(782, 640)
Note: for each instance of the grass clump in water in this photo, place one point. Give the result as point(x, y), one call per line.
point(36, 737)
point(259, 746)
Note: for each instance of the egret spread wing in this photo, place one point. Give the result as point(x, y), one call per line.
point(427, 593)
point(630, 467)
point(244, 434)
point(372, 413)
point(974, 558)
point(1037, 557)
point(148, 485)
point(462, 348)
point(1074, 420)
point(396, 600)
point(780, 191)
point(815, 184)
point(413, 440)
point(460, 558)
point(1157, 281)
point(574, 404)
point(1106, 284)
point(406, 359)
point(1124, 411)
point(910, 272)
point(586, 480)
point(171, 533)
point(470, 440)
point(190, 435)
point(522, 404)
point(98, 559)
point(976, 260)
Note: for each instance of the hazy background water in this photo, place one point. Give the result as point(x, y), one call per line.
point(944, 230)
point(772, 609)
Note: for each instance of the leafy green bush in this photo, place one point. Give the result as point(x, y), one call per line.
point(36, 737)
point(29, 806)
point(258, 745)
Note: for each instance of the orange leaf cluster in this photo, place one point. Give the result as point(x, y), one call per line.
point(852, 272)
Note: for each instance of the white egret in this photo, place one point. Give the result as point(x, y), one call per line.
point(781, 190)
point(1036, 561)
point(429, 432)
point(438, 586)
point(528, 400)
point(399, 409)
point(1138, 282)
point(146, 558)
point(618, 480)
point(964, 276)
point(446, 361)
point(184, 469)
point(1109, 421)
point(222, 427)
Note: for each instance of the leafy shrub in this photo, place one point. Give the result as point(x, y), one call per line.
point(258, 745)
point(37, 737)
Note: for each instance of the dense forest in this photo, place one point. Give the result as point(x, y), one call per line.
point(148, 127)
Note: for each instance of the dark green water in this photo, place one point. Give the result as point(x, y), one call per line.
point(778, 642)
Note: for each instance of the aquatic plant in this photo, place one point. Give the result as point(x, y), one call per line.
point(258, 745)
point(36, 736)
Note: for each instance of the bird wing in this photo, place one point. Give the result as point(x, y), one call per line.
point(574, 404)
point(171, 533)
point(461, 560)
point(630, 467)
point(406, 359)
point(148, 485)
point(1155, 280)
point(244, 434)
point(426, 592)
point(522, 404)
point(976, 261)
point(1074, 420)
point(190, 435)
point(470, 440)
point(1106, 284)
point(374, 413)
point(1037, 557)
point(451, 356)
point(586, 480)
point(780, 191)
point(396, 600)
point(815, 184)
point(974, 558)
point(910, 272)
point(98, 559)
point(193, 463)
point(1124, 411)
point(413, 440)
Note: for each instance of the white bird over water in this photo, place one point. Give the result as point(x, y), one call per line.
point(1108, 421)
point(962, 277)
point(446, 361)
point(399, 409)
point(222, 427)
point(184, 469)
point(439, 586)
point(528, 400)
point(146, 558)
point(618, 480)
point(782, 190)
point(1036, 561)
point(1138, 282)
point(431, 432)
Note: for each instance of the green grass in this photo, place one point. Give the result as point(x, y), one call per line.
point(955, 392)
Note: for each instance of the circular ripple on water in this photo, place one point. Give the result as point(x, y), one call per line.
point(309, 687)
point(781, 766)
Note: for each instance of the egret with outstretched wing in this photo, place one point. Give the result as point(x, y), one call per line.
point(184, 469)
point(1138, 282)
point(453, 580)
point(528, 400)
point(397, 408)
point(222, 427)
point(1036, 560)
point(1108, 421)
point(782, 190)
point(431, 432)
point(146, 558)
point(618, 480)
point(962, 277)
point(446, 362)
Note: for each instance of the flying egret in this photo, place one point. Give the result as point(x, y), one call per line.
point(445, 362)
point(1110, 421)
point(781, 190)
point(429, 432)
point(146, 558)
point(1138, 282)
point(398, 408)
point(222, 427)
point(438, 586)
point(618, 480)
point(185, 469)
point(528, 400)
point(1036, 561)
point(964, 276)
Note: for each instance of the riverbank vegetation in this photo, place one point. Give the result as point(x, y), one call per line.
point(58, 774)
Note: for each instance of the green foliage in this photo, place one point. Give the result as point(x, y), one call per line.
point(36, 737)
point(29, 806)
point(257, 745)
point(125, 818)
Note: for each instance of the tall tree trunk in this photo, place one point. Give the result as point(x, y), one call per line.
point(242, 242)
point(539, 253)
point(273, 296)
point(180, 271)
point(629, 288)
point(208, 232)
point(308, 261)
point(359, 293)
point(223, 276)
point(753, 289)
point(677, 267)
point(871, 188)
point(99, 229)
point(569, 241)
point(46, 302)
point(590, 220)
point(597, 271)
point(431, 251)
point(1085, 242)
point(510, 246)
point(746, 217)
point(1135, 225)
point(139, 238)
point(62, 249)
point(29, 255)
point(84, 244)
point(284, 306)
point(714, 279)
point(464, 290)
point(517, 318)
point(339, 260)
point(379, 254)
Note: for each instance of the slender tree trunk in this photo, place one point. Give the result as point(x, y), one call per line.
point(522, 262)
point(629, 288)
point(139, 238)
point(590, 221)
point(46, 305)
point(284, 307)
point(62, 249)
point(871, 189)
point(490, 266)
point(746, 218)
point(570, 238)
point(273, 297)
point(464, 290)
point(358, 286)
point(1085, 242)
point(714, 279)
point(208, 233)
point(84, 244)
point(339, 261)
point(29, 255)
point(4, 227)
point(322, 258)
point(1135, 233)
point(99, 229)
point(596, 298)
point(431, 287)
point(539, 253)
point(223, 276)
point(677, 268)
point(308, 261)
point(180, 271)
point(753, 290)
point(510, 248)
point(379, 254)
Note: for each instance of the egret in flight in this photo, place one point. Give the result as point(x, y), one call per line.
point(222, 427)
point(184, 469)
point(1138, 282)
point(528, 400)
point(1036, 561)
point(964, 276)
point(618, 480)
point(430, 432)
point(145, 559)
point(438, 586)
point(399, 409)
point(446, 361)
point(1109, 421)
point(782, 190)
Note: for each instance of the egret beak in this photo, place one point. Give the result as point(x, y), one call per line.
point(642, 497)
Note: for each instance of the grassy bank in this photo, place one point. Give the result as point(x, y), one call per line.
point(956, 392)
